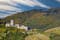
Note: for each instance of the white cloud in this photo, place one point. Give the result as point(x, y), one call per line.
point(4, 0)
point(58, 0)
point(25, 2)
point(41, 4)
point(6, 7)
point(11, 5)
point(31, 3)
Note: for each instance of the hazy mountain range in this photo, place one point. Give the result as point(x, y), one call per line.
point(9, 7)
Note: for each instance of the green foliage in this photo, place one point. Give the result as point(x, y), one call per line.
point(54, 36)
point(11, 34)
point(2, 25)
point(42, 22)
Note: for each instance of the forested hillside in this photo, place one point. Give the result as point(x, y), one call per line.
point(37, 18)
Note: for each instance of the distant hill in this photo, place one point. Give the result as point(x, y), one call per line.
point(23, 16)
point(37, 18)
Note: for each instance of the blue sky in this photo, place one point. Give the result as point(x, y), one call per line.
point(9, 7)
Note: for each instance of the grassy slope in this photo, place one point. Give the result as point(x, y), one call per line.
point(53, 30)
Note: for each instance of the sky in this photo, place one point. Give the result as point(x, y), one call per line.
point(9, 7)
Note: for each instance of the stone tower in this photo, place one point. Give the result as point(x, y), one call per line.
point(12, 22)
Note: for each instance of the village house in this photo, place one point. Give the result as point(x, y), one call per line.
point(11, 24)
